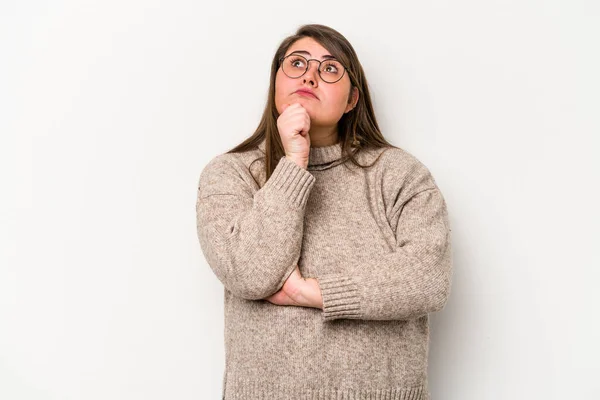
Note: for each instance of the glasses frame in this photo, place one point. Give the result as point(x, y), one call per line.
point(308, 66)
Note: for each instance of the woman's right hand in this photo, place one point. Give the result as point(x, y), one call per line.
point(293, 125)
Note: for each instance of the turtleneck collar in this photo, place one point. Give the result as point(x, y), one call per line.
point(319, 158)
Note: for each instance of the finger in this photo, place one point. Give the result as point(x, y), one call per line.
point(294, 106)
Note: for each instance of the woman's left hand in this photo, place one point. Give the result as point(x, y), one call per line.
point(298, 291)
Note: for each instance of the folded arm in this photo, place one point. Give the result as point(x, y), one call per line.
point(251, 239)
point(409, 282)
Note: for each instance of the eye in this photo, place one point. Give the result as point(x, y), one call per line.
point(332, 68)
point(297, 62)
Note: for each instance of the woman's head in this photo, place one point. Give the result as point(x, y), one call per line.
point(345, 103)
point(299, 69)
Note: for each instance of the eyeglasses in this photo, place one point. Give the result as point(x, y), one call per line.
point(295, 66)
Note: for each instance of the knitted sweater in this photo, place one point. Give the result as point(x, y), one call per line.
point(378, 242)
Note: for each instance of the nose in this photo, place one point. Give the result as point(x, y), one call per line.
point(312, 73)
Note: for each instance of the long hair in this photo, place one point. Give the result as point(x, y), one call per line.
point(357, 128)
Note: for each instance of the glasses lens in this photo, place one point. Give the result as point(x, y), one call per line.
point(331, 70)
point(294, 66)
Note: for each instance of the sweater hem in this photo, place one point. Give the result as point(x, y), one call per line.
point(247, 390)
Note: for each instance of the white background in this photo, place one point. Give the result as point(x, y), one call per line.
point(110, 109)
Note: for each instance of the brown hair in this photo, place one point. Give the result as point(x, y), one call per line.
point(356, 128)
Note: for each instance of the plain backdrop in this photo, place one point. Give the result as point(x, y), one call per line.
point(109, 110)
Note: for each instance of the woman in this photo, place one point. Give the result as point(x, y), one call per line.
point(333, 245)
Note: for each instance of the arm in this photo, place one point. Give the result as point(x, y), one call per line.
point(409, 282)
point(251, 239)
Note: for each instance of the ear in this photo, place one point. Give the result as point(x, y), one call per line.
point(352, 99)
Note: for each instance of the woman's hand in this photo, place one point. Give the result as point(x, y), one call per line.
point(293, 125)
point(298, 291)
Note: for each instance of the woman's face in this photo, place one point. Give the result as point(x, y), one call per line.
point(332, 98)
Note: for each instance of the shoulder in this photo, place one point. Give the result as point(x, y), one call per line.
point(404, 178)
point(400, 169)
point(227, 172)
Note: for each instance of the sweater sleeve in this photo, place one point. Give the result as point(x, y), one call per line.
point(412, 280)
point(251, 238)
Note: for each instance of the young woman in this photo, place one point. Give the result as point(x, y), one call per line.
point(333, 245)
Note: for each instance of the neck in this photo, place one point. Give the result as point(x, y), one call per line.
point(323, 136)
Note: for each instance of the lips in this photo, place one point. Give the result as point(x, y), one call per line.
point(307, 93)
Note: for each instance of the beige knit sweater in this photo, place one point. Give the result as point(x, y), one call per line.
point(376, 239)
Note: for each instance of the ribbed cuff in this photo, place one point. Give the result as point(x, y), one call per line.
point(340, 297)
point(290, 181)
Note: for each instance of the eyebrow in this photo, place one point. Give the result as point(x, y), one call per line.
point(325, 56)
